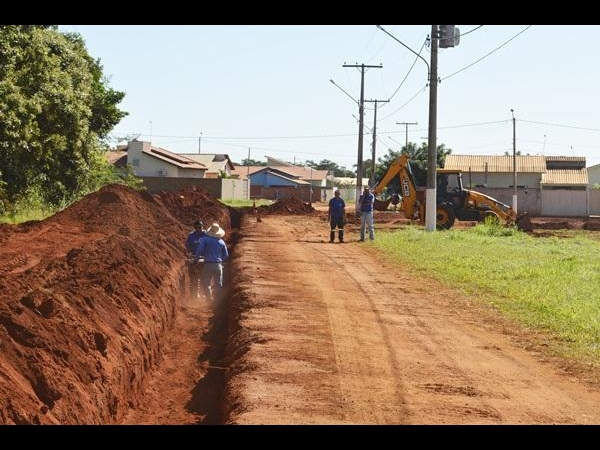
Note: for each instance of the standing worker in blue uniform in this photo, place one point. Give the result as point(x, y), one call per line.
point(213, 250)
point(366, 202)
point(191, 243)
point(337, 216)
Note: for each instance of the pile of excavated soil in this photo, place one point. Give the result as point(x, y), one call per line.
point(290, 205)
point(86, 299)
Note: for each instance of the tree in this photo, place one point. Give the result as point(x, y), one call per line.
point(418, 163)
point(253, 162)
point(55, 111)
point(331, 167)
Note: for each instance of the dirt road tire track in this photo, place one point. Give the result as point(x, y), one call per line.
point(333, 334)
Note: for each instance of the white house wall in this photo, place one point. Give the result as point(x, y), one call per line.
point(593, 175)
point(235, 189)
point(594, 202)
point(564, 203)
point(145, 165)
point(501, 180)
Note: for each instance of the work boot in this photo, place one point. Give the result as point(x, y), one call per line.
point(332, 237)
point(341, 235)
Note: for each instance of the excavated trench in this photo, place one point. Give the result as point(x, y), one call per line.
point(208, 393)
point(88, 303)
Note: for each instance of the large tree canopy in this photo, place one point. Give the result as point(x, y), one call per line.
point(55, 111)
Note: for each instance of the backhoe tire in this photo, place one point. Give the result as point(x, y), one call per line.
point(444, 217)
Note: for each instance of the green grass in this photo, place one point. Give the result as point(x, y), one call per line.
point(25, 216)
point(550, 284)
point(246, 203)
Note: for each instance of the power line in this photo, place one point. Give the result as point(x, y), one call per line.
point(475, 124)
point(218, 139)
point(195, 138)
point(407, 102)
point(561, 144)
point(485, 56)
point(470, 31)
point(559, 125)
point(409, 71)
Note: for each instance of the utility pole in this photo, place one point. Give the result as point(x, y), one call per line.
point(372, 182)
point(514, 200)
point(248, 174)
point(311, 188)
point(361, 105)
point(449, 36)
point(406, 124)
point(200, 142)
point(430, 197)
point(248, 163)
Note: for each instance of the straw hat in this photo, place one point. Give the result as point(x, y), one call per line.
point(215, 231)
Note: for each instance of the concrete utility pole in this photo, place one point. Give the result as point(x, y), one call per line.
point(200, 142)
point(450, 37)
point(361, 106)
point(406, 124)
point(430, 197)
point(514, 199)
point(372, 182)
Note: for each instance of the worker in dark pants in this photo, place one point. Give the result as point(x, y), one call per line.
point(191, 245)
point(337, 216)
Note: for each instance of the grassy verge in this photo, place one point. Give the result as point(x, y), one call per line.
point(246, 203)
point(550, 284)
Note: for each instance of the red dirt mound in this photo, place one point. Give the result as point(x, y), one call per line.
point(290, 205)
point(190, 204)
point(86, 298)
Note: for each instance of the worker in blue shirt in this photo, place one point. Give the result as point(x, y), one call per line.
point(337, 216)
point(213, 250)
point(191, 243)
point(366, 202)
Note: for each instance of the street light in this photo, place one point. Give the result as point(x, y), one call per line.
point(338, 86)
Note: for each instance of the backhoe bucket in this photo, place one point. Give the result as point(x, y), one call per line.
point(524, 222)
point(382, 205)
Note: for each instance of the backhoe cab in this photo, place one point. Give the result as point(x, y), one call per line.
point(452, 200)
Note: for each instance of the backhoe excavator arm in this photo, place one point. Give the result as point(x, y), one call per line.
point(408, 188)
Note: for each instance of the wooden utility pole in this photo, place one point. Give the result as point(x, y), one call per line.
point(361, 105)
point(406, 124)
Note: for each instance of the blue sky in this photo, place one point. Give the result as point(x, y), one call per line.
point(263, 90)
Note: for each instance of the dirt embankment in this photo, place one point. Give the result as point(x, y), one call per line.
point(87, 298)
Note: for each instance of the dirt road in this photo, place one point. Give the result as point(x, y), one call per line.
point(330, 334)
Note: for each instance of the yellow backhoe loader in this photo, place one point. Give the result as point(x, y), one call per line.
point(452, 200)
